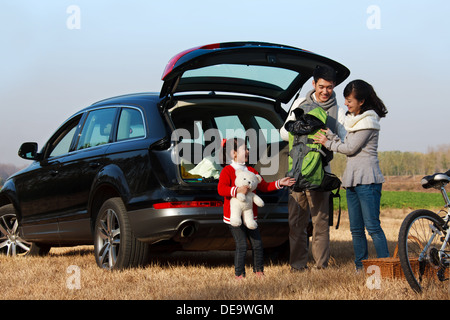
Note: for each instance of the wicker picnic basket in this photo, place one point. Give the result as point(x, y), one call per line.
point(391, 268)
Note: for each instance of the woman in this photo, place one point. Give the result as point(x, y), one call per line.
point(239, 153)
point(362, 176)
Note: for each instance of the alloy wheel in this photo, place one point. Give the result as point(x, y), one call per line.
point(108, 239)
point(10, 241)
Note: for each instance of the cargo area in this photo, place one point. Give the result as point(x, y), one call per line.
point(201, 125)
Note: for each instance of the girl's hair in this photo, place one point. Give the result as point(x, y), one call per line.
point(230, 145)
point(363, 91)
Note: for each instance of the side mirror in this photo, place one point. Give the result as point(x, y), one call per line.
point(29, 151)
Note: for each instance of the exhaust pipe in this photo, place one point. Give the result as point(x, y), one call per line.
point(187, 230)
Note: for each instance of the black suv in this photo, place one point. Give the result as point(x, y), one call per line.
point(139, 172)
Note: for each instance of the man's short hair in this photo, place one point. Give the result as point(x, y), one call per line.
point(325, 73)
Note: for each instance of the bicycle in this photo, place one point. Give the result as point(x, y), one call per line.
point(423, 240)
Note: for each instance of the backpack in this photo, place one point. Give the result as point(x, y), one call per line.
point(308, 159)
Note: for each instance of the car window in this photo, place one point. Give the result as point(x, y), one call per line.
point(131, 125)
point(97, 128)
point(230, 126)
point(271, 75)
point(61, 142)
point(271, 134)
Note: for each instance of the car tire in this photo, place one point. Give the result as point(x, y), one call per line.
point(115, 246)
point(11, 241)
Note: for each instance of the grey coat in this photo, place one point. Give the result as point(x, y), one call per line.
point(360, 147)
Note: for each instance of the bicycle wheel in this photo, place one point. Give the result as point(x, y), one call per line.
point(419, 242)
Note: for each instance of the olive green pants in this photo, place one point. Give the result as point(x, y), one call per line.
point(304, 206)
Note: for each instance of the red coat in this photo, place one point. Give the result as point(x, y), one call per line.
point(227, 189)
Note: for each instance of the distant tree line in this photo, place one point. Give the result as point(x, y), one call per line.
point(396, 163)
point(6, 170)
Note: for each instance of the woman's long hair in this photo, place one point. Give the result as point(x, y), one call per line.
point(363, 91)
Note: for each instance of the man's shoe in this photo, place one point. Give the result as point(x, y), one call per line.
point(295, 270)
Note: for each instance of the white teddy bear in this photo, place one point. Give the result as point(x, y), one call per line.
point(242, 205)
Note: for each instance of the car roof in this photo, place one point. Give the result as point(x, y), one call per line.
point(132, 98)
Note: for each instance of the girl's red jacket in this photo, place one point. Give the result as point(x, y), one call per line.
point(227, 189)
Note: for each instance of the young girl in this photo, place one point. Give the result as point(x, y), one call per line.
point(362, 177)
point(227, 189)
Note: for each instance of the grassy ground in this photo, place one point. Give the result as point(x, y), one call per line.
point(72, 274)
point(402, 200)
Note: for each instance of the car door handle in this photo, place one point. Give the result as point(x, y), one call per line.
point(54, 172)
point(94, 165)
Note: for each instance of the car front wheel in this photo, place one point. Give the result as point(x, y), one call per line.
point(115, 245)
point(11, 242)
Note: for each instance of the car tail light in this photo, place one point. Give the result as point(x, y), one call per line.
point(173, 61)
point(187, 204)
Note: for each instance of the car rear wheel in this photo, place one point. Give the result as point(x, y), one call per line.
point(11, 241)
point(115, 245)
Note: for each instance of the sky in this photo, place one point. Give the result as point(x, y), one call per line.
point(60, 56)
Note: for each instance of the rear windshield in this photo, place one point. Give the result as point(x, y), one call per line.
point(273, 76)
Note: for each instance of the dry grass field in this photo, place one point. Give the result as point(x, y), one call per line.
point(72, 274)
point(405, 183)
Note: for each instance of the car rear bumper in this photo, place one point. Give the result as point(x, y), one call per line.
point(203, 228)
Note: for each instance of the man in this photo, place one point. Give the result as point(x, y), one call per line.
point(315, 204)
